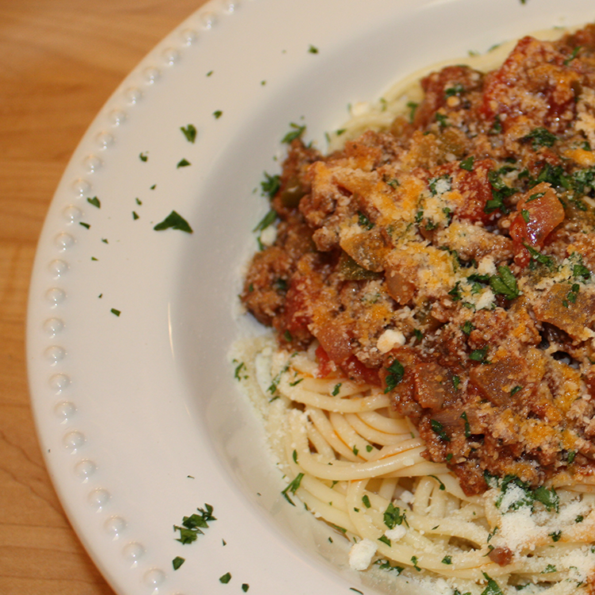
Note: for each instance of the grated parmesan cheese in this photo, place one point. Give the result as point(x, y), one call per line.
point(361, 554)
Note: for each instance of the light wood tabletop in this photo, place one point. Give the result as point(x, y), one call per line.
point(61, 60)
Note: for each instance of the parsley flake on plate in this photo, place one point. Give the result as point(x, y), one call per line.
point(174, 221)
point(189, 132)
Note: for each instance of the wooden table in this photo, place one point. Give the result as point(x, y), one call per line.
point(60, 61)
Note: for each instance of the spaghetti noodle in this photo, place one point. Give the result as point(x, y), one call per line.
point(429, 391)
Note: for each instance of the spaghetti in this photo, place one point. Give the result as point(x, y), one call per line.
point(429, 391)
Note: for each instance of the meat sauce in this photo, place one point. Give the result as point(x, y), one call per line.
point(468, 231)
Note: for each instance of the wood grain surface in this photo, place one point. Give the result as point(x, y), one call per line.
point(60, 61)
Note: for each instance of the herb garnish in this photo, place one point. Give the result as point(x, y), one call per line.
point(217, 113)
point(193, 525)
point(393, 516)
point(505, 283)
point(177, 562)
point(438, 429)
point(183, 163)
point(467, 164)
point(479, 355)
point(467, 426)
point(312, 49)
point(267, 220)
point(492, 588)
point(412, 107)
point(94, 201)
point(174, 221)
point(292, 487)
point(293, 134)
point(541, 137)
point(396, 373)
point(116, 312)
point(225, 578)
point(270, 185)
point(189, 132)
point(386, 565)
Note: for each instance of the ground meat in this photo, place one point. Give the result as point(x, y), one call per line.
point(468, 231)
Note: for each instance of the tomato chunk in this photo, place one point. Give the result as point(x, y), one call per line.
point(538, 213)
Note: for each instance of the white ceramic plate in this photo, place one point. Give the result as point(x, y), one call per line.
point(138, 414)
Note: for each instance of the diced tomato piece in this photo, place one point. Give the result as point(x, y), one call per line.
point(474, 186)
point(325, 366)
point(357, 372)
point(538, 213)
point(534, 82)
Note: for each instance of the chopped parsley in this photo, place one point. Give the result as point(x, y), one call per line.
point(412, 108)
point(85, 225)
point(386, 565)
point(270, 185)
point(447, 560)
point(496, 126)
point(441, 485)
point(442, 120)
point(364, 221)
point(479, 355)
point(189, 132)
point(492, 587)
point(393, 516)
point(183, 163)
point(336, 389)
point(556, 535)
point(292, 487)
point(177, 562)
point(541, 137)
point(467, 164)
point(504, 283)
point(267, 220)
point(467, 327)
point(313, 49)
point(456, 89)
point(515, 390)
point(582, 271)
point(296, 132)
point(134, 215)
point(245, 587)
point(94, 201)
point(217, 114)
point(225, 578)
point(549, 568)
point(438, 429)
point(467, 426)
point(386, 540)
point(192, 526)
point(414, 562)
point(395, 375)
point(174, 221)
point(500, 191)
point(366, 501)
point(539, 257)
point(143, 157)
point(549, 498)
point(115, 312)
point(572, 56)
